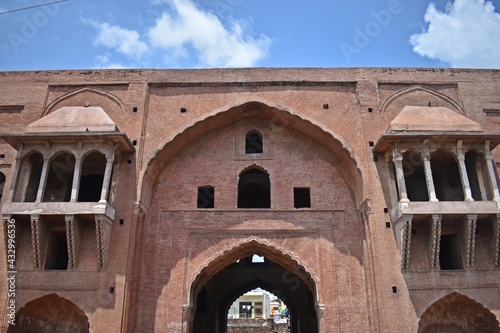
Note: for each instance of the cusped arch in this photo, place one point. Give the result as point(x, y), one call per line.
point(220, 259)
point(279, 117)
point(60, 101)
point(398, 94)
point(50, 313)
point(457, 313)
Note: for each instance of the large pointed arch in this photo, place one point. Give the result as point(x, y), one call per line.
point(457, 313)
point(279, 118)
point(285, 277)
point(50, 313)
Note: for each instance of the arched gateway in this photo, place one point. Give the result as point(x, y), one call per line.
point(215, 289)
point(294, 203)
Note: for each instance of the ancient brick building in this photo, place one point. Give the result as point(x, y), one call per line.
point(134, 199)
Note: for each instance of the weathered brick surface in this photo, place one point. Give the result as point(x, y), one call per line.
point(166, 249)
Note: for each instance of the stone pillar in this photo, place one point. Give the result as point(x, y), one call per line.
point(43, 179)
point(35, 241)
point(435, 240)
point(470, 238)
point(400, 177)
point(107, 177)
point(15, 175)
point(491, 172)
point(463, 173)
point(428, 174)
point(76, 178)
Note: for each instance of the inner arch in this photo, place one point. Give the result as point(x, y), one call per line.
point(234, 273)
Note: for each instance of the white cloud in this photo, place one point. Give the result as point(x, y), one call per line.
point(103, 61)
point(467, 34)
point(215, 45)
point(125, 41)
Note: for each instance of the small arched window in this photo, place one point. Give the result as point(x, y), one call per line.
point(60, 178)
point(253, 142)
point(91, 178)
point(254, 189)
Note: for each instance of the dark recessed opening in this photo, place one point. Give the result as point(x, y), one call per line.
point(134, 142)
point(387, 224)
point(254, 189)
point(413, 231)
point(183, 110)
point(122, 222)
point(111, 290)
point(326, 106)
point(206, 195)
point(449, 253)
point(2, 155)
point(57, 251)
point(375, 158)
point(394, 289)
point(371, 143)
point(253, 143)
point(129, 161)
point(385, 210)
point(301, 197)
point(370, 109)
point(134, 109)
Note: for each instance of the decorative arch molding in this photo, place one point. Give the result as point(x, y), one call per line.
point(220, 259)
point(415, 88)
point(51, 313)
point(279, 117)
point(103, 93)
point(460, 311)
point(256, 167)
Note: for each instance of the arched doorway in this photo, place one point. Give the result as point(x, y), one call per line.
point(49, 314)
point(216, 289)
point(456, 313)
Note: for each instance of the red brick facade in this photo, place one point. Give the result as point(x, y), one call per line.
point(162, 248)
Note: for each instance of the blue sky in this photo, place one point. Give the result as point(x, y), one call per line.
point(78, 34)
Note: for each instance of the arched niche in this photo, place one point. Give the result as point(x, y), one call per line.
point(113, 105)
point(28, 180)
point(2, 185)
point(456, 313)
point(416, 96)
point(59, 177)
point(49, 314)
point(343, 156)
point(91, 177)
point(254, 189)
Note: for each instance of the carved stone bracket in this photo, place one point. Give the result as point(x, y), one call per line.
point(103, 236)
point(71, 240)
point(406, 241)
point(496, 239)
point(366, 209)
point(320, 310)
point(435, 240)
point(470, 236)
point(35, 241)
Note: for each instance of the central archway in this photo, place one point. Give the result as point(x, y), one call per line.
point(222, 281)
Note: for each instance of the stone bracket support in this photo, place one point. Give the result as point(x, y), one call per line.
point(470, 238)
point(404, 227)
point(435, 240)
point(496, 239)
point(103, 237)
point(35, 241)
point(71, 240)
